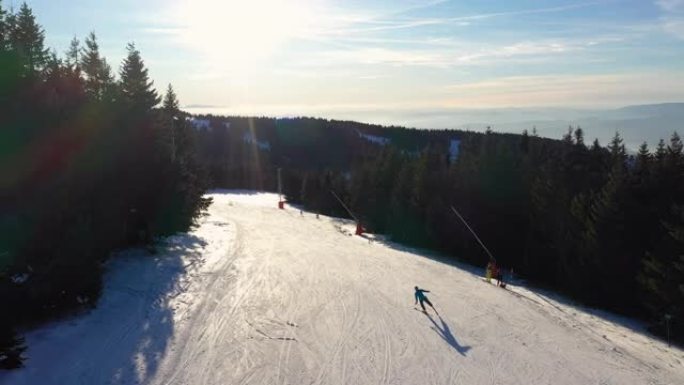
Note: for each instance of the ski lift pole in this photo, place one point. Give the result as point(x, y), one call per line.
point(281, 204)
point(343, 205)
point(359, 228)
point(280, 184)
point(668, 317)
point(473, 232)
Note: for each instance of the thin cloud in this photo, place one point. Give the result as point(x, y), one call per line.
point(454, 53)
point(670, 5)
point(525, 12)
point(672, 20)
point(167, 31)
point(562, 91)
point(568, 90)
point(370, 56)
point(384, 23)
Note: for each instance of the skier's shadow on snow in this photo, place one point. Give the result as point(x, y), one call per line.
point(446, 335)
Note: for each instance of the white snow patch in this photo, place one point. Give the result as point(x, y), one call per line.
point(374, 138)
point(454, 149)
point(249, 138)
point(229, 198)
point(20, 278)
point(260, 295)
point(200, 124)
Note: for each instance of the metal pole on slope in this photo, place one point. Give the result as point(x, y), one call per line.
point(668, 317)
point(359, 228)
point(343, 205)
point(280, 189)
point(473, 232)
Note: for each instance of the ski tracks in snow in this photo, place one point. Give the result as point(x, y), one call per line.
point(291, 299)
point(188, 344)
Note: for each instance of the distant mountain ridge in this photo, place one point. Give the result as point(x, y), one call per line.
point(635, 123)
point(655, 109)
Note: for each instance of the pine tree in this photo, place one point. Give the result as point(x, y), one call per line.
point(9, 25)
point(11, 347)
point(72, 57)
point(567, 137)
point(27, 39)
point(136, 87)
point(674, 151)
point(525, 142)
point(643, 212)
point(661, 152)
point(109, 87)
point(607, 248)
point(170, 103)
point(603, 234)
point(662, 276)
point(99, 81)
point(618, 151)
point(53, 66)
point(643, 152)
point(3, 28)
point(643, 158)
point(579, 136)
point(171, 123)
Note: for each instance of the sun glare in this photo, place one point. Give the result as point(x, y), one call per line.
point(241, 33)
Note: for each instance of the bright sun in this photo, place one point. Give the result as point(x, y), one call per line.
point(241, 31)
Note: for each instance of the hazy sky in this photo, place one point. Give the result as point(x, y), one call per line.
point(312, 57)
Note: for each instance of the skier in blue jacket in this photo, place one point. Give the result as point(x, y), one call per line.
point(420, 296)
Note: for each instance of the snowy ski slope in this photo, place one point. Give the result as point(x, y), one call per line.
point(257, 295)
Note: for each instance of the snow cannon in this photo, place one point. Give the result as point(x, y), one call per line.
point(281, 205)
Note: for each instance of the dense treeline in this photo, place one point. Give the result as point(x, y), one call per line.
point(88, 164)
point(594, 222)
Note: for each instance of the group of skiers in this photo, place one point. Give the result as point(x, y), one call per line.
point(492, 271)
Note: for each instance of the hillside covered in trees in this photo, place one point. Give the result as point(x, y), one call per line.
point(601, 225)
point(88, 165)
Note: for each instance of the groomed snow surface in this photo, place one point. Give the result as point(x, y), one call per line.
point(258, 295)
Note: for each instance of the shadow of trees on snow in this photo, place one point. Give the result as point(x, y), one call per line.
point(124, 338)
